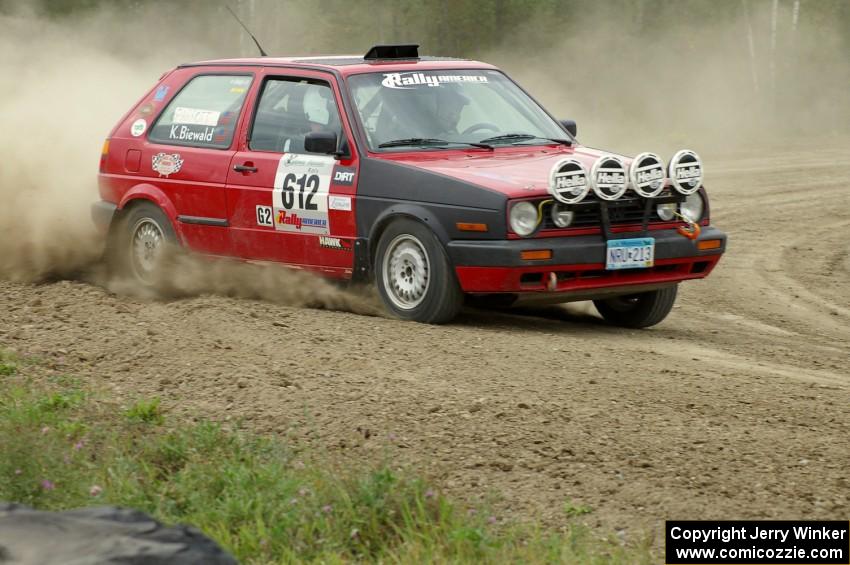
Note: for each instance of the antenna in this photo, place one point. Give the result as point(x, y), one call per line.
point(257, 43)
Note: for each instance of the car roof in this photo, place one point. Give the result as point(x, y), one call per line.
point(347, 64)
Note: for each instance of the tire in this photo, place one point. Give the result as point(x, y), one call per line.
point(137, 241)
point(638, 310)
point(413, 274)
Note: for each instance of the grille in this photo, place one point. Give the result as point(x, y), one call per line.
point(628, 210)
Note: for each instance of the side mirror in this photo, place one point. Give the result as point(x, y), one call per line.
point(323, 142)
point(570, 126)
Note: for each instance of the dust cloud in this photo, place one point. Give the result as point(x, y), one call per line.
point(66, 84)
point(62, 90)
point(710, 76)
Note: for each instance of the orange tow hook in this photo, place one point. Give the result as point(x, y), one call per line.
point(691, 231)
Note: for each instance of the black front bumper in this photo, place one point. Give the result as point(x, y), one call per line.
point(576, 250)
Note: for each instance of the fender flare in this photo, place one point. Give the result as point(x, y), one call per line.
point(402, 210)
point(151, 193)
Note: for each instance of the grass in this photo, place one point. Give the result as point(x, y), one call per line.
point(62, 447)
point(8, 367)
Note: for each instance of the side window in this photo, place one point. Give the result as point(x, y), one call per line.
point(204, 113)
point(288, 110)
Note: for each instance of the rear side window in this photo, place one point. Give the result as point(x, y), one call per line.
point(204, 113)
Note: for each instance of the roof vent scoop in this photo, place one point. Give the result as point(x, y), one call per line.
point(406, 51)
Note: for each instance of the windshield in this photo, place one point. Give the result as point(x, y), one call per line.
point(439, 109)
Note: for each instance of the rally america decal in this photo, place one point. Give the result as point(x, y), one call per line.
point(166, 163)
point(413, 79)
point(300, 196)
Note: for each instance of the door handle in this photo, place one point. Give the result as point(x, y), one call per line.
point(246, 168)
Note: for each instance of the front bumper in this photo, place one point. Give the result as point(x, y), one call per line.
point(577, 265)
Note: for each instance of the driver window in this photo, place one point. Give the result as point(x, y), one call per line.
point(288, 110)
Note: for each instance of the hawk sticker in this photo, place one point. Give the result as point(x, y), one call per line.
point(300, 197)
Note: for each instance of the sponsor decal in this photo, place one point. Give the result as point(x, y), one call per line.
point(264, 216)
point(240, 81)
point(646, 174)
point(225, 118)
point(292, 219)
point(339, 203)
point(569, 181)
point(237, 89)
point(161, 93)
point(608, 177)
point(220, 135)
point(334, 243)
point(300, 196)
point(344, 175)
point(146, 109)
point(685, 171)
point(195, 117)
point(166, 163)
point(410, 80)
point(138, 128)
point(191, 133)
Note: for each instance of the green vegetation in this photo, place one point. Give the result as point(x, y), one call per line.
point(8, 367)
point(145, 412)
point(62, 447)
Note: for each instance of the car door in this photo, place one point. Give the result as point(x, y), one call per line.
point(188, 151)
point(284, 203)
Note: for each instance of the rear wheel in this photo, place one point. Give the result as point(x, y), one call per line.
point(414, 276)
point(138, 242)
point(638, 310)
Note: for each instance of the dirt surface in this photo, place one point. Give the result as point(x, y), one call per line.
point(737, 406)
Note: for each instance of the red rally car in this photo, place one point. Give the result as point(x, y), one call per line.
point(437, 178)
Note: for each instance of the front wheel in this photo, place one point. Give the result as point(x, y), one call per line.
point(638, 310)
point(414, 276)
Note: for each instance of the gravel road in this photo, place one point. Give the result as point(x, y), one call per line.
point(737, 406)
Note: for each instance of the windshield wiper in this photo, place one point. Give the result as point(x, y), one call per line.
point(426, 141)
point(525, 137)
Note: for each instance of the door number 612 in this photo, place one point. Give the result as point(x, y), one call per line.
point(306, 186)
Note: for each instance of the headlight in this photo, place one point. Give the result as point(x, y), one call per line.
point(666, 211)
point(692, 207)
point(561, 216)
point(523, 218)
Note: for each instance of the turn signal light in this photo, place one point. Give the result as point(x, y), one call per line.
point(465, 226)
point(536, 255)
point(103, 154)
point(708, 244)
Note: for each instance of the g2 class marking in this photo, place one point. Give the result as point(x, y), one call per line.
point(265, 216)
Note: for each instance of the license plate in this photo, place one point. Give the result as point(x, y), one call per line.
point(637, 253)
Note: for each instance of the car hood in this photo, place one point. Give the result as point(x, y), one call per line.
point(511, 171)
